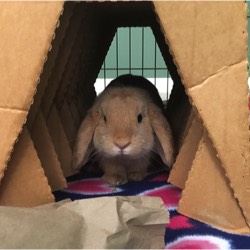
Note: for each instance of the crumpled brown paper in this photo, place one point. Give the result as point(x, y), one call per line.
point(106, 222)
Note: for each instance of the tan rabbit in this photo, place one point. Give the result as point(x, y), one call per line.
point(125, 127)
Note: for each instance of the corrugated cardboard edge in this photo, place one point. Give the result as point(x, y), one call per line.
point(61, 61)
point(70, 120)
point(53, 121)
point(47, 154)
point(184, 160)
point(57, 9)
point(60, 33)
point(9, 133)
point(60, 142)
point(68, 123)
point(90, 61)
point(73, 61)
point(24, 183)
point(218, 208)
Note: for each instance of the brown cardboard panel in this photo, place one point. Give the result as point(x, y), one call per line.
point(10, 121)
point(196, 32)
point(75, 114)
point(125, 13)
point(207, 196)
point(63, 91)
point(61, 60)
point(85, 99)
point(69, 71)
point(218, 85)
point(50, 62)
point(184, 160)
point(81, 90)
point(101, 29)
point(24, 47)
point(60, 141)
point(21, 62)
point(68, 124)
point(81, 93)
point(47, 154)
point(178, 106)
point(226, 120)
point(24, 183)
point(188, 125)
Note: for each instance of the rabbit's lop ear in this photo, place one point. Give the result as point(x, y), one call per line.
point(83, 145)
point(164, 139)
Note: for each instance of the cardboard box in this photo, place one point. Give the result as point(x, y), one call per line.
point(48, 67)
point(215, 80)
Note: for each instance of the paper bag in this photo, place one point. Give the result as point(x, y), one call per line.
point(106, 222)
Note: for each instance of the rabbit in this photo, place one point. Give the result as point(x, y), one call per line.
point(125, 127)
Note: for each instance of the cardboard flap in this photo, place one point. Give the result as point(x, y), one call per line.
point(24, 49)
point(68, 124)
point(10, 121)
point(183, 164)
point(62, 58)
point(226, 120)
point(208, 196)
point(60, 33)
point(27, 23)
point(60, 141)
point(47, 154)
point(179, 113)
point(73, 63)
point(24, 183)
point(196, 33)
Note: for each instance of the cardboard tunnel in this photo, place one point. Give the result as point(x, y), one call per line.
point(48, 67)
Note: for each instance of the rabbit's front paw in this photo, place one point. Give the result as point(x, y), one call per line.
point(114, 179)
point(136, 176)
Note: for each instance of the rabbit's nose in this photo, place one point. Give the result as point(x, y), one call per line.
point(122, 145)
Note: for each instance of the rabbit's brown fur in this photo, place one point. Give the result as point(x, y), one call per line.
point(124, 127)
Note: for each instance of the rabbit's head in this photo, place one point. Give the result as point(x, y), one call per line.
point(124, 127)
point(124, 121)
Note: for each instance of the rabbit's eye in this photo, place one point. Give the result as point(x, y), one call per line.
point(104, 118)
point(139, 118)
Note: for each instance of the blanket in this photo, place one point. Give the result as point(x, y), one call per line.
point(181, 233)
